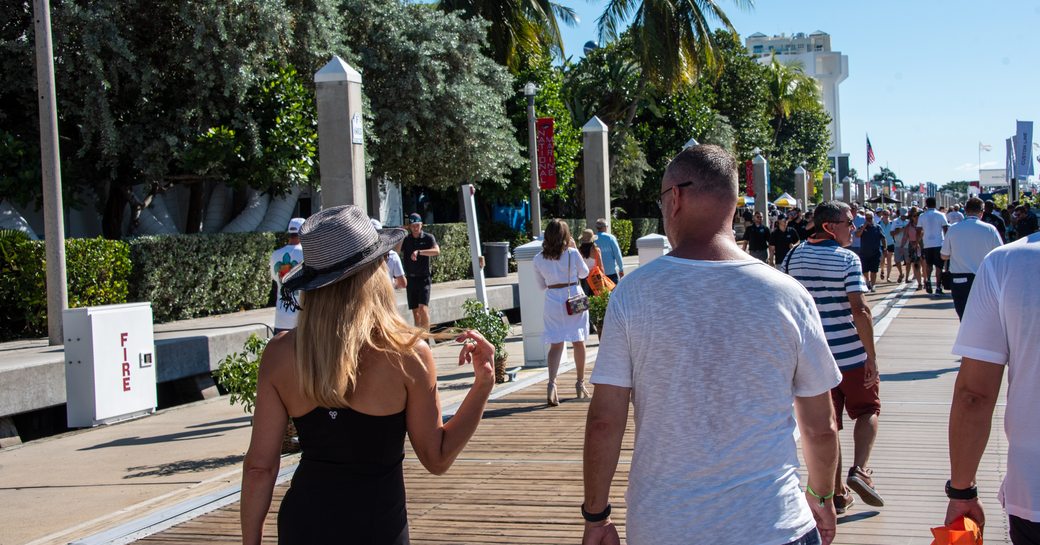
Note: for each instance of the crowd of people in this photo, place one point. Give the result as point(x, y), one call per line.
point(715, 430)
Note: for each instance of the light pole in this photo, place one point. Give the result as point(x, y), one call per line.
point(530, 90)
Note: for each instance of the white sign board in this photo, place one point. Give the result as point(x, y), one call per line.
point(990, 177)
point(357, 128)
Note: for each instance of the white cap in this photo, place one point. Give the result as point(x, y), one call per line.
point(294, 226)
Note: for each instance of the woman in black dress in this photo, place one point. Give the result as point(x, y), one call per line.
point(354, 377)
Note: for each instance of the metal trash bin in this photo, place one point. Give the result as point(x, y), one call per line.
point(496, 259)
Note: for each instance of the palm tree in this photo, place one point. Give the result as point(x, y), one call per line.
point(518, 27)
point(672, 39)
point(790, 89)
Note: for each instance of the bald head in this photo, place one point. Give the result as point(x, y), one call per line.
point(709, 170)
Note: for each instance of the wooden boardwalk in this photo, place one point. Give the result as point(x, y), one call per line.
point(519, 480)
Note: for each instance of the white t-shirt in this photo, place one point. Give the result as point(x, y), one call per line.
point(932, 222)
point(1000, 326)
point(714, 425)
point(394, 265)
point(282, 261)
point(954, 217)
point(967, 243)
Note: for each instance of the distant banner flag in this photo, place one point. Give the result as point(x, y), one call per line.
point(921, 189)
point(546, 155)
point(749, 171)
point(1024, 150)
point(870, 153)
point(985, 147)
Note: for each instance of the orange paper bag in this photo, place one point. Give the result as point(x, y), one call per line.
point(962, 531)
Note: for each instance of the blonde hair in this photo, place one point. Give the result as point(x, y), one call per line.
point(338, 322)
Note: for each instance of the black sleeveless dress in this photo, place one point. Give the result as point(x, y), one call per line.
point(349, 487)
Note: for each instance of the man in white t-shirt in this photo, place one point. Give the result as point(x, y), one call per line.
point(999, 331)
point(393, 263)
point(933, 224)
point(715, 454)
point(282, 261)
point(954, 216)
point(965, 245)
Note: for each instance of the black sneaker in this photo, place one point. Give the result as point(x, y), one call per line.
point(842, 503)
point(928, 287)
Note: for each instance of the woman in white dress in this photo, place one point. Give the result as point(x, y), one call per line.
point(559, 269)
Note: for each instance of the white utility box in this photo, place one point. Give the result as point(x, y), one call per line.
point(651, 247)
point(109, 363)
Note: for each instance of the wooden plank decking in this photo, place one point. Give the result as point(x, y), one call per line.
point(519, 480)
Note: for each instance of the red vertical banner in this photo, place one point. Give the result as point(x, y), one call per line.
point(749, 171)
point(546, 155)
point(922, 190)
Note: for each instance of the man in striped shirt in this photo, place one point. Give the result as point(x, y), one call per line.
point(834, 277)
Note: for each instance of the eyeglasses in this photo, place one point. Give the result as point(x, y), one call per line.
point(666, 191)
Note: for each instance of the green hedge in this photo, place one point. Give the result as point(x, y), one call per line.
point(642, 227)
point(622, 229)
point(98, 273)
point(187, 276)
point(454, 261)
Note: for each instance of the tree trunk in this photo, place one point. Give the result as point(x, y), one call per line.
point(112, 219)
point(196, 206)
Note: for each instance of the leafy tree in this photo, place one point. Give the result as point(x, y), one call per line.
point(803, 139)
point(437, 102)
point(957, 187)
point(138, 88)
point(518, 28)
point(741, 95)
point(567, 137)
point(789, 90)
point(672, 39)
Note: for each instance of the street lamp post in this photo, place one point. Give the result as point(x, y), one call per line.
point(530, 90)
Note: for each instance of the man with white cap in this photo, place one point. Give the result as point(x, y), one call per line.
point(282, 261)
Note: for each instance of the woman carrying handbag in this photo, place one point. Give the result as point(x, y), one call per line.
point(559, 267)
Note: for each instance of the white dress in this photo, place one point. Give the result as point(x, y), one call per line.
point(560, 326)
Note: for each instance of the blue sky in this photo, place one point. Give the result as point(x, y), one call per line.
point(928, 80)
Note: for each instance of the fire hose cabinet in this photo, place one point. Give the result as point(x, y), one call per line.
point(109, 363)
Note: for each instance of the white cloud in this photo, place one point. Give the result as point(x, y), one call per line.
point(975, 166)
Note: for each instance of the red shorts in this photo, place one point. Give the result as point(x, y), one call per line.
point(850, 394)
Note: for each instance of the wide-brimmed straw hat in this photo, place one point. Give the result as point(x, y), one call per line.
point(337, 242)
point(587, 236)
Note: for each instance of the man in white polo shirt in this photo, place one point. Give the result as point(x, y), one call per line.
point(954, 216)
point(934, 225)
point(965, 245)
point(1000, 330)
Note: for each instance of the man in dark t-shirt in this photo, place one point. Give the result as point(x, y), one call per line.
point(990, 217)
point(416, 250)
point(781, 240)
point(872, 247)
point(757, 237)
point(799, 223)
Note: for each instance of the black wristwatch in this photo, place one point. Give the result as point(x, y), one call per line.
point(595, 517)
point(961, 493)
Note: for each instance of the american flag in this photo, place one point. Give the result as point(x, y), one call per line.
point(870, 153)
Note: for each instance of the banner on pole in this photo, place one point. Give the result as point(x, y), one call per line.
point(1023, 150)
point(749, 173)
point(546, 154)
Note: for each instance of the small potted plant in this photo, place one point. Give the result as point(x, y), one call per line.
point(237, 374)
point(598, 310)
point(492, 324)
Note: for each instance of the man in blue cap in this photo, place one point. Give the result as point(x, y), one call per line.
point(416, 251)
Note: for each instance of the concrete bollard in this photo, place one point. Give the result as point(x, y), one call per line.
point(652, 247)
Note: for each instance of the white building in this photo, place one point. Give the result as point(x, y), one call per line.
point(829, 68)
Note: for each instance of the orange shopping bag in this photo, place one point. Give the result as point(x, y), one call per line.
point(599, 282)
point(962, 531)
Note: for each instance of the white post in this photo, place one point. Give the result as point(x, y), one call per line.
point(530, 90)
point(846, 190)
point(827, 184)
point(861, 191)
point(474, 243)
point(50, 166)
point(532, 305)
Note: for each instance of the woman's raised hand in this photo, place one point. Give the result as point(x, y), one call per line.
point(478, 351)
